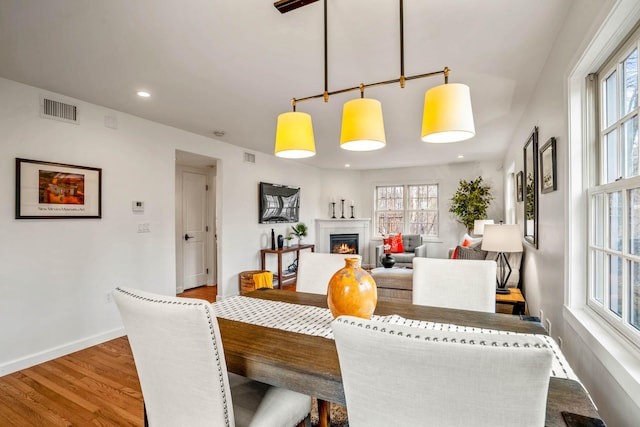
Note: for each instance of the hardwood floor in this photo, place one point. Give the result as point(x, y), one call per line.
point(203, 292)
point(97, 386)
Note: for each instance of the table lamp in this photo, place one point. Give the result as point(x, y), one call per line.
point(478, 226)
point(502, 239)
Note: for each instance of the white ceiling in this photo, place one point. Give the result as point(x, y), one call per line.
point(235, 65)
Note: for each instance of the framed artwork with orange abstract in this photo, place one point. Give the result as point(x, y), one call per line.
point(57, 190)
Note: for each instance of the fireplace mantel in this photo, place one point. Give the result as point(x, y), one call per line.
point(360, 226)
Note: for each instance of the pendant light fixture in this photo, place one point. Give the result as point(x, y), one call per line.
point(447, 115)
point(362, 124)
point(294, 135)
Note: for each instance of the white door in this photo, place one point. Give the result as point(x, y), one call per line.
point(194, 229)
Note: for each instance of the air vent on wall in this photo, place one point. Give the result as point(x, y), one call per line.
point(249, 158)
point(57, 110)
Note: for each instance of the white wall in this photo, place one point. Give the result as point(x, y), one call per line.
point(447, 177)
point(359, 186)
point(240, 236)
point(341, 183)
point(544, 268)
point(55, 274)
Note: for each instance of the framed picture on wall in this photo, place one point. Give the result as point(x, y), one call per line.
point(548, 167)
point(519, 188)
point(57, 190)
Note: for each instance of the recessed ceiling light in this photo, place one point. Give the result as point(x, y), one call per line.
point(461, 156)
point(143, 94)
point(347, 165)
point(219, 133)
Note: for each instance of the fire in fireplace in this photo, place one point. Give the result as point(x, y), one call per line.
point(343, 243)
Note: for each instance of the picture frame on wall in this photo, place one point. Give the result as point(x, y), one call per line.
point(530, 186)
point(48, 190)
point(519, 186)
point(548, 167)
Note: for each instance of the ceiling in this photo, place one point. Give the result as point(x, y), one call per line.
point(235, 65)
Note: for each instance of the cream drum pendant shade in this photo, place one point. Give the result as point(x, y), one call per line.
point(362, 125)
point(294, 136)
point(447, 114)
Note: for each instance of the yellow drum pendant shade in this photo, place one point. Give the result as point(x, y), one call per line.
point(447, 114)
point(362, 125)
point(294, 136)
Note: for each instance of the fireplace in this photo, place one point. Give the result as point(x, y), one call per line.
point(360, 226)
point(343, 243)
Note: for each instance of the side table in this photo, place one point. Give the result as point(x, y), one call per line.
point(515, 299)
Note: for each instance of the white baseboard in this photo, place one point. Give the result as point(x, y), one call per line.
point(59, 351)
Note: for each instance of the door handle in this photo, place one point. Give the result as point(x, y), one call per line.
point(187, 237)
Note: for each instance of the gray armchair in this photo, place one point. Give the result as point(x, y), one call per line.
point(413, 247)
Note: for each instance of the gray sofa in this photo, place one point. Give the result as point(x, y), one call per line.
point(413, 247)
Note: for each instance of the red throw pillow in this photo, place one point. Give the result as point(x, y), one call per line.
point(386, 245)
point(396, 244)
point(455, 253)
point(466, 243)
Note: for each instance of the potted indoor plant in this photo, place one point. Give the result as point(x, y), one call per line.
point(299, 230)
point(287, 240)
point(470, 202)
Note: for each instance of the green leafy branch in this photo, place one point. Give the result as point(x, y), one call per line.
point(470, 201)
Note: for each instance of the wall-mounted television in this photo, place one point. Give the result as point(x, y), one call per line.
point(278, 203)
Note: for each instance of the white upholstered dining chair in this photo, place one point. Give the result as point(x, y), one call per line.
point(407, 376)
point(180, 361)
point(316, 269)
point(455, 283)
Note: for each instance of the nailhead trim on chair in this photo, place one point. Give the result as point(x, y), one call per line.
point(452, 340)
point(207, 308)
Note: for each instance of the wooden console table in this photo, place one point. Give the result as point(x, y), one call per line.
point(289, 277)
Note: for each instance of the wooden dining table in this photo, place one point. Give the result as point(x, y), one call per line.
point(309, 364)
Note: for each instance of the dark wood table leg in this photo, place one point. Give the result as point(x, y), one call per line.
point(323, 413)
point(279, 270)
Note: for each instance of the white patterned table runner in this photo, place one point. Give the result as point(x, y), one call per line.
point(310, 320)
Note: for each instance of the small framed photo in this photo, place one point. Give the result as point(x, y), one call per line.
point(519, 186)
point(548, 167)
point(46, 190)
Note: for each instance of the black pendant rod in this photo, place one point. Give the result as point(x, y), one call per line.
point(402, 79)
point(366, 85)
point(326, 61)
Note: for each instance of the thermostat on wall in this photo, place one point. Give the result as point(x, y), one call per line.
point(137, 206)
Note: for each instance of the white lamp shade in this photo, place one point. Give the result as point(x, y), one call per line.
point(448, 116)
point(362, 125)
point(294, 136)
point(478, 226)
point(502, 238)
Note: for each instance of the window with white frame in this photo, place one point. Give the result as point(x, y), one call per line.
point(407, 209)
point(614, 197)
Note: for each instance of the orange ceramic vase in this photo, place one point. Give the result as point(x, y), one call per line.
point(352, 291)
